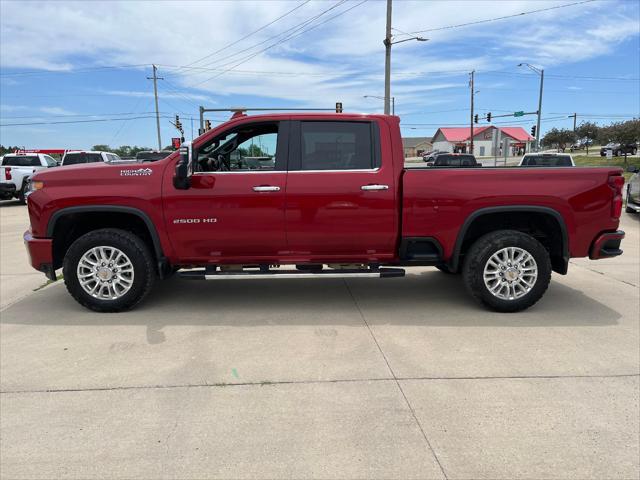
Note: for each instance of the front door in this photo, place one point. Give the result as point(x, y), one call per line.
point(234, 211)
point(341, 200)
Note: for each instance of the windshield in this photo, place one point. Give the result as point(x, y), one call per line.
point(152, 156)
point(546, 161)
point(81, 157)
point(21, 161)
point(455, 161)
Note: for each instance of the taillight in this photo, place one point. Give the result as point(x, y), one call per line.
point(7, 173)
point(616, 182)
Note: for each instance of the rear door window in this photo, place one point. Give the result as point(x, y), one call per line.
point(336, 146)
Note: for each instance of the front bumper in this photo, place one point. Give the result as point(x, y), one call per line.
point(40, 251)
point(633, 206)
point(606, 245)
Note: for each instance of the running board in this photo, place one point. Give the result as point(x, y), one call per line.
point(202, 274)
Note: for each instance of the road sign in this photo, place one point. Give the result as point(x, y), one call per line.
point(518, 114)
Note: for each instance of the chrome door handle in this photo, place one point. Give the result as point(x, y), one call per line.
point(374, 187)
point(266, 188)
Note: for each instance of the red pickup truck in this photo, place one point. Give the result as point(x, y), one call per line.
point(315, 195)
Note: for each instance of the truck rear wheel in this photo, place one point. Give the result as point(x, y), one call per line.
point(507, 270)
point(109, 270)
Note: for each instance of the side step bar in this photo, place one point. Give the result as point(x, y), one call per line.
point(203, 274)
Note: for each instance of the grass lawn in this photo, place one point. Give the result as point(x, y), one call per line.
point(584, 161)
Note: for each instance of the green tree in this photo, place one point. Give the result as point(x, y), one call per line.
point(559, 138)
point(101, 148)
point(587, 132)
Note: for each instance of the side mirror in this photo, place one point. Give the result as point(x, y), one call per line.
point(184, 168)
point(633, 169)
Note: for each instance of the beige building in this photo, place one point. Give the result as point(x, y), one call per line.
point(416, 146)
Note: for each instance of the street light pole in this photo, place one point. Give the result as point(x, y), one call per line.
point(539, 71)
point(471, 122)
point(387, 60)
point(539, 110)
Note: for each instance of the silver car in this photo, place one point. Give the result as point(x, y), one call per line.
point(633, 191)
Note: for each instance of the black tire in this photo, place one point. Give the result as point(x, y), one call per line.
point(480, 252)
point(21, 195)
point(128, 243)
point(628, 209)
point(445, 269)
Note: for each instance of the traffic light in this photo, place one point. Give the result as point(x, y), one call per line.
point(475, 118)
point(338, 107)
point(533, 131)
point(207, 125)
point(489, 117)
point(178, 124)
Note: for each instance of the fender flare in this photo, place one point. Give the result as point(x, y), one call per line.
point(454, 263)
point(57, 215)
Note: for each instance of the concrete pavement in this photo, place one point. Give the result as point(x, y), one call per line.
point(17, 278)
point(397, 378)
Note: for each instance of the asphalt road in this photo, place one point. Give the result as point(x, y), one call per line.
point(396, 378)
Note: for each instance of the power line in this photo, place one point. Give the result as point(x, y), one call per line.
point(293, 35)
point(73, 70)
point(282, 34)
point(495, 19)
point(74, 121)
point(248, 35)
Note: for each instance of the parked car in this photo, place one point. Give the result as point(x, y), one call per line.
point(547, 160)
point(633, 191)
point(15, 171)
point(428, 156)
point(618, 149)
point(337, 202)
point(444, 159)
point(152, 155)
point(74, 158)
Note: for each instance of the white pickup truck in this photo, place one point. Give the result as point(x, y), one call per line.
point(15, 171)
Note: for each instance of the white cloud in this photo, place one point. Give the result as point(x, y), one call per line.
point(56, 111)
point(340, 60)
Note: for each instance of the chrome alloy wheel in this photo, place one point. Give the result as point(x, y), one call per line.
point(105, 273)
point(510, 273)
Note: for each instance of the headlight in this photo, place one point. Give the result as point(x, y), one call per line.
point(32, 186)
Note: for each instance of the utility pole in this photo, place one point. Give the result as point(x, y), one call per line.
point(575, 117)
point(472, 74)
point(387, 61)
point(155, 79)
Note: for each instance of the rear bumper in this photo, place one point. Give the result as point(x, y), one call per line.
point(40, 251)
point(7, 189)
point(606, 245)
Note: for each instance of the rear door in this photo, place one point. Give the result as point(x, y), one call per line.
point(340, 191)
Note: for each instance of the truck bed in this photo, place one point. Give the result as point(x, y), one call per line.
point(437, 201)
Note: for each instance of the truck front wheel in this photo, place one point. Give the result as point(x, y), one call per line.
point(109, 270)
point(507, 270)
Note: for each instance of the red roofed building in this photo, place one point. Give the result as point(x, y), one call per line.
point(488, 140)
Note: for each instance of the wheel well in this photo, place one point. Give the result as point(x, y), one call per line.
point(542, 226)
point(72, 226)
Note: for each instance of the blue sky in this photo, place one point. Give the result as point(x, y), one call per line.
point(52, 54)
